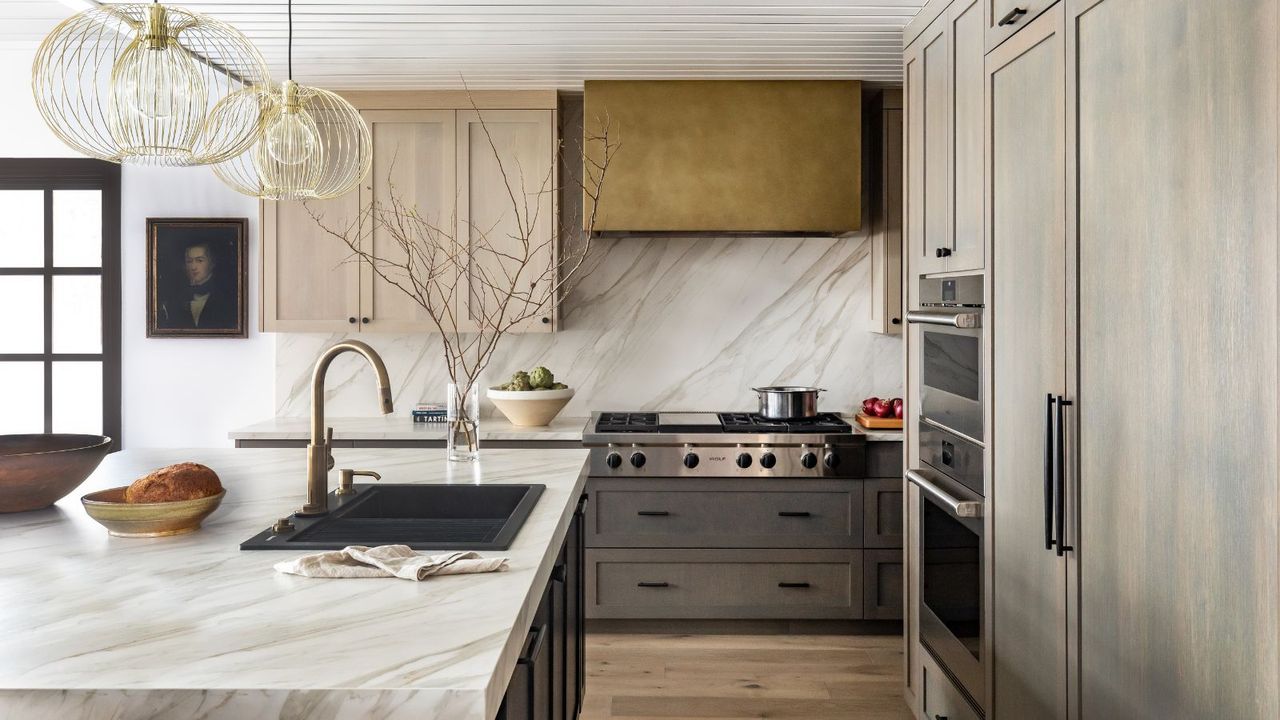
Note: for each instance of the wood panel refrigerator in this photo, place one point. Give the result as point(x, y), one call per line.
point(1134, 536)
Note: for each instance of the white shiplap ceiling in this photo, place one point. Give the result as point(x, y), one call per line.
point(547, 43)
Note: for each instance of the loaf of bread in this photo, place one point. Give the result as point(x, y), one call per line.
point(184, 481)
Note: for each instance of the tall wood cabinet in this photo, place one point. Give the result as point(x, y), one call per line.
point(1027, 316)
point(435, 157)
point(1130, 204)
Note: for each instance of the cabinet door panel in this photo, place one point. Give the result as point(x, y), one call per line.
point(1177, 142)
point(936, 108)
point(968, 79)
point(308, 285)
point(493, 225)
point(413, 164)
point(1028, 345)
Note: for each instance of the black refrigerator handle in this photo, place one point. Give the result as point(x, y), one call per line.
point(1060, 481)
point(1048, 474)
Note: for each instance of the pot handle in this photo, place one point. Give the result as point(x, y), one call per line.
point(760, 390)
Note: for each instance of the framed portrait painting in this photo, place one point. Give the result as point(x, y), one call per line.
point(196, 277)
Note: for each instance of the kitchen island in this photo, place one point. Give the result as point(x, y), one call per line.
point(191, 626)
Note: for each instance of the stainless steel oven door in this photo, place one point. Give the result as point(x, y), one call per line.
point(950, 592)
point(951, 377)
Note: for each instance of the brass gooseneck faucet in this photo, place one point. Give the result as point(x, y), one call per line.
point(320, 450)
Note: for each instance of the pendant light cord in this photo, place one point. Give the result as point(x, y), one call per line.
point(290, 39)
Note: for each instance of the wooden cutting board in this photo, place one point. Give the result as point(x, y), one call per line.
point(879, 423)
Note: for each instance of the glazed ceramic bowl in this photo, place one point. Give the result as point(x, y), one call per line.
point(37, 471)
point(530, 408)
point(124, 519)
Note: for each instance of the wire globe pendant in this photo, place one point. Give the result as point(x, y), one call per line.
point(314, 145)
point(141, 83)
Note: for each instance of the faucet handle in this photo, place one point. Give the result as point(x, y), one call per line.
point(346, 476)
point(328, 448)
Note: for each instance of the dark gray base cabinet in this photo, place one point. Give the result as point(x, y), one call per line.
point(550, 676)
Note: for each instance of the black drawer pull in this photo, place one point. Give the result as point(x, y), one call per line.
point(653, 584)
point(1012, 16)
point(793, 585)
point(653, 513)
point(792, 513)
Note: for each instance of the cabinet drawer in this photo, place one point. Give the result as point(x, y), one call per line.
point(941, 698)
point(728, 584)
point(882, 513)
point(1015, 14)
point(685, 514)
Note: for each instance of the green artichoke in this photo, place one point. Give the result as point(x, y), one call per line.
point(541, 378)
point(520, 381)
point(559, 386)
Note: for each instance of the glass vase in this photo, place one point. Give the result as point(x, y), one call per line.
point(463, 420)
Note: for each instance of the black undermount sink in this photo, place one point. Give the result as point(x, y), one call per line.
point(424, 517)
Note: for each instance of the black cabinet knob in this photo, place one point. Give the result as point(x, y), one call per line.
point(809, 460)
point(546, 321)
point(364, 320)
point(832, 460)
point(351, 320)
point(613, 460)
point(743, 460)
point(942, 252)
point(768, 460)
point(896, 321)
point(691, 460)
point(637, 459)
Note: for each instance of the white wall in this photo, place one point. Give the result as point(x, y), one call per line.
point(176, 392)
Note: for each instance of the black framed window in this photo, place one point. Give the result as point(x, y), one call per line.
point(60, 289)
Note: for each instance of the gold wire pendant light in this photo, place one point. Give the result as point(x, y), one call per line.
point(314, 144)
point(140, 83)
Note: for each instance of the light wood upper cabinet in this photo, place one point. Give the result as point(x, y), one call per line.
point(944, 88)
point(1003, 18)
point(435, 158)
point(413, 161)
point(503, 199)
point(308, 285)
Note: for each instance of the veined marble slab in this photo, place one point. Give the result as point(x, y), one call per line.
point(398, 427)
point(660, 324)
point(190, 626)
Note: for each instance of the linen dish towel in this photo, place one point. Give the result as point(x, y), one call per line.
point(359, 561)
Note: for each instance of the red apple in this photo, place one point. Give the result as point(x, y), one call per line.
point(869, 405)
point(897, 408)
point(883, 407)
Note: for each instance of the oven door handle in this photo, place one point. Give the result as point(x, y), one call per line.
point(960, 508)
point(950, 319)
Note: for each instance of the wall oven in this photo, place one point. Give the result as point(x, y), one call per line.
point(950, 320)
point(950, 556)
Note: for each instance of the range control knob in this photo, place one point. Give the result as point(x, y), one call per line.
point(768, 460)
point(637, 459)
point(691, 460)
point(744, 460)
point(809, 460)
point(613, 460)
point(831, 460)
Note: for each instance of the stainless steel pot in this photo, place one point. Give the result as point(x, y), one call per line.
point(786, 402)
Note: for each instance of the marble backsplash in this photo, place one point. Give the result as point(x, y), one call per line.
point(661, 323)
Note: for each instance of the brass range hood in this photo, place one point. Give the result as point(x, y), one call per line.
point(727, 157)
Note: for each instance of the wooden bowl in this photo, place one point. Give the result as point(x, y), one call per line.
point(37, 471)
point(530, 408)
point(124, 519)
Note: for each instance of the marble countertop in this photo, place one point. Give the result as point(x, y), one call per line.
point(190, 626)
point(397, 427)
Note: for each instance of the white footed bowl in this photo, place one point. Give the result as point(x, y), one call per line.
point(530, 408)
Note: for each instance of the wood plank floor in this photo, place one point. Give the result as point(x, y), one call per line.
point(736, 677)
